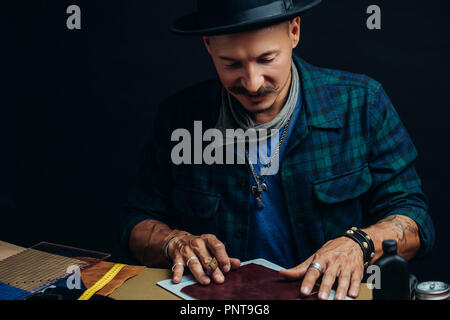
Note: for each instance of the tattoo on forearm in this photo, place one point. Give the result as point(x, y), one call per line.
point(401, 225)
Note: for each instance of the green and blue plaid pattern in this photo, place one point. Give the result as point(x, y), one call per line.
point(349, 162)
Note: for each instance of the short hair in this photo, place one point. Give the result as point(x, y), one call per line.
point(284, 24)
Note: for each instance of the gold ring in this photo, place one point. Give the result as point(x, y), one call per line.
point(213, 265)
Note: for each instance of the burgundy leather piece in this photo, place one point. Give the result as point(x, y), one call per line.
point(249, 282)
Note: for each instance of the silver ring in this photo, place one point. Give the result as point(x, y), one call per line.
point(173, 267)
point(189, 260)
point(317, 266)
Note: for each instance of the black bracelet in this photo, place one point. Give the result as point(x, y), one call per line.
point(368, 240)
point(364, 241)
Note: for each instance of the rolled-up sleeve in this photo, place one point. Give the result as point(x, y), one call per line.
point(397, 188)
point(149, 199)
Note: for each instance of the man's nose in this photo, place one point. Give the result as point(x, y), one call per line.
point(252, 80)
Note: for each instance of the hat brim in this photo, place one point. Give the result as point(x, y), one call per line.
point(191, 24)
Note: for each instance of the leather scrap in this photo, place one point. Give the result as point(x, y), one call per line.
point(92, 274)
point(249, 282)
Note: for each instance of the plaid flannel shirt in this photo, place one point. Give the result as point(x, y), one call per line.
point(349, 162)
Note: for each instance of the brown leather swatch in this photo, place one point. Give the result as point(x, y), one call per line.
point(249, 282)
point(92, 274)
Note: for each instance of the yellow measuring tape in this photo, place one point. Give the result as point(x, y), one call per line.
point(102, 282)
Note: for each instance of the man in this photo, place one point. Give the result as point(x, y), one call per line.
point(345, 161)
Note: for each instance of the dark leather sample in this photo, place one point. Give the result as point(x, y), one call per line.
point(249, 282)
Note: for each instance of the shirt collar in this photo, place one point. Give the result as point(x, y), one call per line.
point(320, 111)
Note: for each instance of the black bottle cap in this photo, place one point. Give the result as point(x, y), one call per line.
point(390, 246)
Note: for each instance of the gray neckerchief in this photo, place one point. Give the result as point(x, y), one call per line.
point(232, 116)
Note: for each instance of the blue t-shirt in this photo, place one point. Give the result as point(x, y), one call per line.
point(270, 233)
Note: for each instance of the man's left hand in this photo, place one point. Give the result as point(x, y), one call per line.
point(341, 259)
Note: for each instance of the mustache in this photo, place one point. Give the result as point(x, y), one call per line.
point(261, 91)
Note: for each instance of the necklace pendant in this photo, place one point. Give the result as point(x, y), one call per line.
point(260, 203)
point(257, 191)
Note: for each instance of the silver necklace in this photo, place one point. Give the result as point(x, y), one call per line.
point(260, 186)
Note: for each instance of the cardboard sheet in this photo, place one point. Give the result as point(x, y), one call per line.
point(143, 286)
point(32, 269)
point(8, 249)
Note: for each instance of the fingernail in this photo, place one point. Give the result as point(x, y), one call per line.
point(219, 277)
point(353, 293)
point(339, 296)
point(305, 290)
point(205, 280)
point(227, 268)
point(323, 295)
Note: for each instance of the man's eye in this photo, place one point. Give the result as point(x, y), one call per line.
point(233, 65)
point(266, 60)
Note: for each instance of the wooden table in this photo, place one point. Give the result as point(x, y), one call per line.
point(143, 286)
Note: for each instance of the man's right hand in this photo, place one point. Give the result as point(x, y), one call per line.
point(195, 253)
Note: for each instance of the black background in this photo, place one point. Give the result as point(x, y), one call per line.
point(77, 105)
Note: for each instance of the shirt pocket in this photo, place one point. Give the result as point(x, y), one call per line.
point(339, 200)
point(344, 187)
point(196, 211)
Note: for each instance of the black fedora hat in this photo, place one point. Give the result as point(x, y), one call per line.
point(215, 17)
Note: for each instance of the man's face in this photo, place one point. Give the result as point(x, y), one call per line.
point(255, 66)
